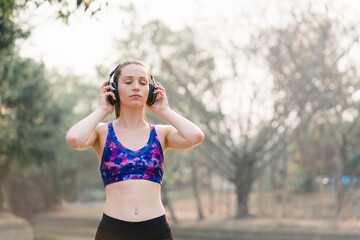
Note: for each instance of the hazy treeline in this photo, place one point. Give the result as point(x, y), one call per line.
point(278, 102)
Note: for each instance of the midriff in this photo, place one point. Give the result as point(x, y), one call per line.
point(133, 200)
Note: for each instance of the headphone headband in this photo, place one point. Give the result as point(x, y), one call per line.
point(113, 71)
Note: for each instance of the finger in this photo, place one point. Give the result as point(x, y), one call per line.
point(110, 94)
point(102, 87)
point(104, 83)
point(160, 87)
point(106, 94)
point(105, 88)
point(160, 95)
point(157, 91)
point(108, 87)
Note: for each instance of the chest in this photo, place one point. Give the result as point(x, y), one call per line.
point(133, 140)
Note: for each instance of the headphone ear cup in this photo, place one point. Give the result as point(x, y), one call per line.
point(116, 92)
point(152, 97)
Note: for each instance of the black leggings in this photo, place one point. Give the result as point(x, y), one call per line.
point(115, 229)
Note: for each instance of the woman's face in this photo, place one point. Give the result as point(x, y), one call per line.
point(133, 85)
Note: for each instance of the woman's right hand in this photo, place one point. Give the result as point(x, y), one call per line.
point(103, 98)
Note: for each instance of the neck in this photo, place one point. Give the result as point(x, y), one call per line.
point(131, 118)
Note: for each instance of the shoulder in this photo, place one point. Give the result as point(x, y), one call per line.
point(101, 129)
point(163, 129)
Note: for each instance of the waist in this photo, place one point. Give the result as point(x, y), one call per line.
point(134, 200)
point(126, 226)
point(131, 175)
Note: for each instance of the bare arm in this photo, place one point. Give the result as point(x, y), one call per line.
point(83, 134)
point(182, 133)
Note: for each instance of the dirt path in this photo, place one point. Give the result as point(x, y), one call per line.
point(71, 222)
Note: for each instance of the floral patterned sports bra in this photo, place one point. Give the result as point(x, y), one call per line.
point(119, 163)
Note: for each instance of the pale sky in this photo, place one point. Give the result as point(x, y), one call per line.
point(86, 41)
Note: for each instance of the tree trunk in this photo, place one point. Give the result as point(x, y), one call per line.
point(4, 169)
point(194, 184)
point(243, 183)
point(338, 188)
point(242, 194)
point(167, 203)
point(2, 199)
point(243, 186)
point(284, 195)
point(227, 191)
point(261, 196)
point(211, 193)
point(340, 159)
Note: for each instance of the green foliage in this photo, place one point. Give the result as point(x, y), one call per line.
point(27, 114)
point(9, 31)
point(35, 117)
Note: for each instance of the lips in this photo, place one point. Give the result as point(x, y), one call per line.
point(135, 96)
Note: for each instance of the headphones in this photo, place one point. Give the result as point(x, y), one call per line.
point(151, 97)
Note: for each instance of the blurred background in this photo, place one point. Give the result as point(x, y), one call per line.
point(273, 84)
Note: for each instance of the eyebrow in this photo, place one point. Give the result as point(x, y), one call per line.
point(133, 77)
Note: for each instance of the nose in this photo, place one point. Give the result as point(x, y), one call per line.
point(136, 86)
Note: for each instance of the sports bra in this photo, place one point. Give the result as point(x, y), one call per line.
point(119, 163)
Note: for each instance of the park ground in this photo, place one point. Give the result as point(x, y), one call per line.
point(78, 221)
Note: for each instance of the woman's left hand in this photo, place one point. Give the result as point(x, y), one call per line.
point(161, 103)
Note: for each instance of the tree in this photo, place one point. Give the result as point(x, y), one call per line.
point(242, 141)
point(28, 111)
point(28, 116)
point(309, 59)
point(187, 74)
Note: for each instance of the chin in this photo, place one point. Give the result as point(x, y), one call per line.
point(135, 104)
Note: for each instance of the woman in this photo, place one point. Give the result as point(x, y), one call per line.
point(130, 153)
